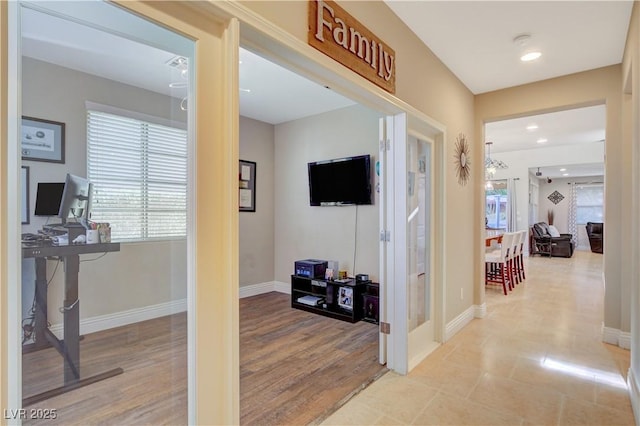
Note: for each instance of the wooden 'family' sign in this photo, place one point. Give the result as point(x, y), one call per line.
point(340, 36)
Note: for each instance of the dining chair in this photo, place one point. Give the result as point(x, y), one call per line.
point(497, 264)
point(520, 256)
point(514, 259)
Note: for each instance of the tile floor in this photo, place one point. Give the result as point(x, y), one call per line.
point(537, 358)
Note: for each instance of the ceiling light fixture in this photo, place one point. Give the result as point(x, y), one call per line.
point(565, 174)
point(491, 165)
point(532, 127)
point(531, 56)
point(542, 140)
point(526, 55)
point(563, 169)
point(181, 64)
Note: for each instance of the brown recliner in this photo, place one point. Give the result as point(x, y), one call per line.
point(594, 232)
point(545, 244)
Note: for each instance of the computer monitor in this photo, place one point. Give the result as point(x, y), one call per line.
point(76, 200)
point(48, 198)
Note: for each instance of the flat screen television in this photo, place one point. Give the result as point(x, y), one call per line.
point(48, 198)
point(341, 181)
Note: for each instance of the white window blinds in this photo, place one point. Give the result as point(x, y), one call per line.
point(589, 203)
point(139, 175)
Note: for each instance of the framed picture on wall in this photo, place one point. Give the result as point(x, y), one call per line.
point(247, 186)
point(24, 179)
point(42, 140)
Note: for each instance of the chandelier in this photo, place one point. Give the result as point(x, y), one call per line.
point(491, 165)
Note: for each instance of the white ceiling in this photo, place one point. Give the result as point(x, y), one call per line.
point(473, 39)
point(268, 92)
point(569, 127)
point(276, 95)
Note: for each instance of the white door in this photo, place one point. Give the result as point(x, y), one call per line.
point(406, 239)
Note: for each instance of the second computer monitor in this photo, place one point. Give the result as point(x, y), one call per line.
point(76, 199)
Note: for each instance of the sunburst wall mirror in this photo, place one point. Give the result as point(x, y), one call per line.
point(461, 159)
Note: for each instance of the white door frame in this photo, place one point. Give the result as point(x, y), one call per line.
point(405, 349)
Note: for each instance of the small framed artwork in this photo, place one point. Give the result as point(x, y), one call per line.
point(247, 186)
point(345, 298)
point(42, 140)
point(24, 178)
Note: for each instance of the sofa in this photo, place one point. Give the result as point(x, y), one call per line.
point(547, 241)
point(594, 232)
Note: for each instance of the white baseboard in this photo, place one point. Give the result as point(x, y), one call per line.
point(266, 287)
point(281, 287)
point(616, 337)
point(458, 323)
point(118, 319)
point(634, 394)
point(480, 311)
point(256, 289)
point(625, 340)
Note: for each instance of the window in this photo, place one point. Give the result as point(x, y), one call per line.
point(589, 203)
point(496, 205)
point(139, 175)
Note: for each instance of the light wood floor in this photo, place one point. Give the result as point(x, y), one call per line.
point(295, 368)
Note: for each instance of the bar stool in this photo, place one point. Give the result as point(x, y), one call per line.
point(520, 256)
point(497, 264)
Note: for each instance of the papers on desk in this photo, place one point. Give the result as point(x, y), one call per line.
point(61, 240)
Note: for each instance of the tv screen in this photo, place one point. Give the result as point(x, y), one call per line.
point(48, 198)
point(340, 181)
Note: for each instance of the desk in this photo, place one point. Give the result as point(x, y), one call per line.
point(69, 347)
point(493, 235)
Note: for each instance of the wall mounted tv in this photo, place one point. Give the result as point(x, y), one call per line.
point(341, 181)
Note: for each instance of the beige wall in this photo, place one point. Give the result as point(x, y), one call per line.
point(426, 84)
point(257, 228)
point(141, 274)
point(317, 232)
point(586, 88)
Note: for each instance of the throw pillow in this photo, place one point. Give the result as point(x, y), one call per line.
point(553, 231)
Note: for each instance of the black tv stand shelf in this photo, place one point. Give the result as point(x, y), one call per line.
point(335, 297)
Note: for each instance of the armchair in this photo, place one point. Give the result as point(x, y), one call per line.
point(544, 243)
point(594, 232)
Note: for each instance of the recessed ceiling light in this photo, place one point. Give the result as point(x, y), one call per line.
point(532, 127)
point(565, 174)
point(542, 140)
point(531, 56)
point(563, 170)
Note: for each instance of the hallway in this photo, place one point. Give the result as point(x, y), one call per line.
point(536, 358)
